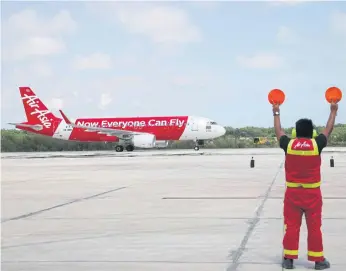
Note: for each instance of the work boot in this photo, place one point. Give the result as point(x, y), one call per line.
point(322, 265)
point(287, 263)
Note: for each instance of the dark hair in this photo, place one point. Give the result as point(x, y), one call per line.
point(304, 128)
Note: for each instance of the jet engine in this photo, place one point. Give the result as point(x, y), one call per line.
point(161, 144)
point(146, 141)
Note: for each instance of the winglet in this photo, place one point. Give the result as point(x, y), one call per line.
point(65, 117)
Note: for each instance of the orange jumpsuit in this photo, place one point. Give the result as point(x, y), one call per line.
point(303, 196)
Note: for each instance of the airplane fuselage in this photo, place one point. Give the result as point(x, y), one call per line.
point(164, 128)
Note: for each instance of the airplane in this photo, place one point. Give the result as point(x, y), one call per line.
point(126, 132)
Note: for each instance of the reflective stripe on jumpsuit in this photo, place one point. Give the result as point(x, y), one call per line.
point(303, 196)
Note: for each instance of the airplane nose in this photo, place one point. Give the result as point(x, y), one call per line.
point(222, 130)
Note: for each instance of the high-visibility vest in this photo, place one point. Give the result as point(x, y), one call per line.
point(303, 163)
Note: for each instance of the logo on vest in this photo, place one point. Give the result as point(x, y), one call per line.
point(302, 145)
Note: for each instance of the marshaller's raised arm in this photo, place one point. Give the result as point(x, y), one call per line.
point(277, 123)
point(331, 120)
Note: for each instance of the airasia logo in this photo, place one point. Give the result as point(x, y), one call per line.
point(302, 145)
point(32, 101)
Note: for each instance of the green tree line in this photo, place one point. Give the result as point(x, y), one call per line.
point(20, 141)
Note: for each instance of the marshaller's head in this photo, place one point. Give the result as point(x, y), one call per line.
point(305, 128)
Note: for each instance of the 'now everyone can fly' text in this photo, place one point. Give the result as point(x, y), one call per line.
point(124, 124)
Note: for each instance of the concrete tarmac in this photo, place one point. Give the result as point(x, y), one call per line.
point(173, 210)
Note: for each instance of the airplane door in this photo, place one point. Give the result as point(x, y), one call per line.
point(194, 125)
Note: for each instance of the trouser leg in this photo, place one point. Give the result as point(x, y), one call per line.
point(313, 218)
point(292, 220)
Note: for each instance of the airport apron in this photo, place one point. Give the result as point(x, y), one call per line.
point(303, 196)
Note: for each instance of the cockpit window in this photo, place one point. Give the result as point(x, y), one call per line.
point(213, 123)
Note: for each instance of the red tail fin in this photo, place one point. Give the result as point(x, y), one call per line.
point(35, 110)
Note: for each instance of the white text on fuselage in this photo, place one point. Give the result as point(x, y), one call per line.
point(41, 114)
point(126, 124)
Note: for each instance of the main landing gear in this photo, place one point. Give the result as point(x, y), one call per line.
point(120, 148)
point(198, 143)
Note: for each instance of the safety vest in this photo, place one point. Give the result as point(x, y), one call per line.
point(303, 163)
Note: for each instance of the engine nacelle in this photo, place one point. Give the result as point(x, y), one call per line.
point(144, 141)
point(161, 144)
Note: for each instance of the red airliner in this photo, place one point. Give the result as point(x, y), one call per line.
point(129, 132)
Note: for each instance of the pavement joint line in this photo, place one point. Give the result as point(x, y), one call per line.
point(182, 218)
point(211, 198)
point(151, 262)
point(324, 198)
point(61, 205)
point(168, 217)
point(117, 261)
point(235, 198)
point(235, 255)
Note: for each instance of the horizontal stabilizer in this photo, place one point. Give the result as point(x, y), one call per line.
point(36, 127)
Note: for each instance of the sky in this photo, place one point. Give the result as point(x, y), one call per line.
point(212, 59)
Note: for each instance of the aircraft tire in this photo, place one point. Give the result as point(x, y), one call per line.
point(130, 147)
point(119, 148)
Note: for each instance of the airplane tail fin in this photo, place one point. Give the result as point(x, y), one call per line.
point(36, 111)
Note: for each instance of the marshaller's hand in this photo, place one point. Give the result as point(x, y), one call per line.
point(276, 108)
point(333, 107)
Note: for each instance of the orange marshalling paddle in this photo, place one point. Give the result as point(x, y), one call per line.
point(276, 96)
point(333, 94)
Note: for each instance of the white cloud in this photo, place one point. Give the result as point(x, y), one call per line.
point(38, 46)
point(105, 100)
point(261, 61)
point(338, 22)
point(93, 61)
point(28, 22)
point(286, 35)
point(26, 34)
point(161, 24)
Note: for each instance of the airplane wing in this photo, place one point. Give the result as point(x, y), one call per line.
point(36, 127)
point(101, 130)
